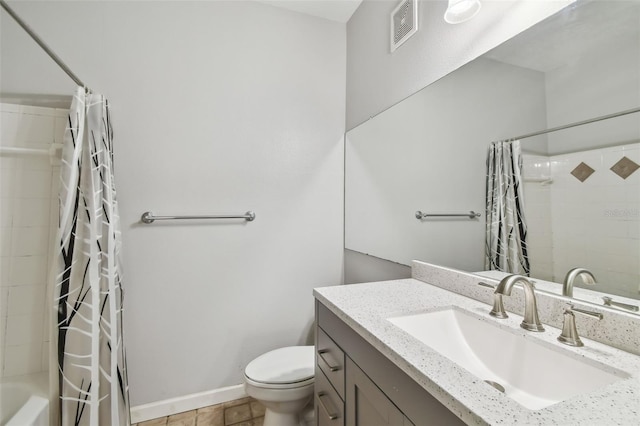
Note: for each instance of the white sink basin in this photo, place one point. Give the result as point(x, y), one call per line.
point(531, 373)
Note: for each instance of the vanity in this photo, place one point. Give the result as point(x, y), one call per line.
point(373, 368)
point(357, 385)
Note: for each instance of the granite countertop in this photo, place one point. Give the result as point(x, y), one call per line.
point(365, 307)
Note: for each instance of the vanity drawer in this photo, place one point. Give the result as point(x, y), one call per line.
point(330, 359)
point(328, 405)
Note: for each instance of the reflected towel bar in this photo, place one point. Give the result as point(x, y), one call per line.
point(470, 215)
point(148, 217)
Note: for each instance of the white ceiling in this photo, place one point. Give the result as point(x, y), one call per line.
point(334, 10)
point(593, 27)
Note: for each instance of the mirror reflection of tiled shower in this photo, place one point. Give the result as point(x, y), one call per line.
point(28, 221)
point(582, 211)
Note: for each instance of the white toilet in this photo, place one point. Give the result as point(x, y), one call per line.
point(282, 380)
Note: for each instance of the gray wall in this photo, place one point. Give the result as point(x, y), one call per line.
point(428, 153)
point(377, 79)
point(217, 107)
point(364, 268)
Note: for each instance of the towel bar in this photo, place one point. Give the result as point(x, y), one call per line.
point(148, 217)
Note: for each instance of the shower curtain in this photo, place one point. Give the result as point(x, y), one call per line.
point(92, 372)
point(506, 230)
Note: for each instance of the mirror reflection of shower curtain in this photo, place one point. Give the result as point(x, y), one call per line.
point(506, 229)
point(92, 373)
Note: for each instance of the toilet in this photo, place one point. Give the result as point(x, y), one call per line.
point(282, 380)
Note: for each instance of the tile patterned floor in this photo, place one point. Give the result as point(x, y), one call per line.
point(241, 412)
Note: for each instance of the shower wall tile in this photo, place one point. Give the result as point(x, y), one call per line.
point(5, 241)
point(46, 351)
point(28, 270)
point(5, 269)
point(23, 359)
point(596, 223)
point(26, 300)
point(32, 212)
point(28, 194)
point(60, 125)
point(4, 306)
point(30, 241)
point(6, 214)
point(23, 329)
point(7, 172)
point(33, 184)
point(3, 333)
point(26, 130)
point(538, 215)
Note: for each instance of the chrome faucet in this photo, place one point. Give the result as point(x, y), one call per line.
point(531, 321)
point(569, 335)
point(567, 286)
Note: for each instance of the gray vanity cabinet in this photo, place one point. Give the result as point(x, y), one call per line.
point(329, 381)
point(358, 386)
point(368, 405)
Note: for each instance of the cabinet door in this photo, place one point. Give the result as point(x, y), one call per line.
point(328, 405)
point(366, 404)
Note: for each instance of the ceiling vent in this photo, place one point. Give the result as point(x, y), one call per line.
point(404, 22)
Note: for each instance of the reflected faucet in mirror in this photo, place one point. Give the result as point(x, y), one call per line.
point(567, 285)
point(530, 321)
point(608, 301)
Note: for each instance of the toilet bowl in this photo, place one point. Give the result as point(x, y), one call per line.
point(282, 380)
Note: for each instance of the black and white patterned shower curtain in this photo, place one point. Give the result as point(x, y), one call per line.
point(506, 229)
point(92, 373)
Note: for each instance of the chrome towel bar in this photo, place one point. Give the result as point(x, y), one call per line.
point(148, 217)
point(470, 215)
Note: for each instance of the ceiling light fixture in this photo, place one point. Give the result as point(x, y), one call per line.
point(459, 11)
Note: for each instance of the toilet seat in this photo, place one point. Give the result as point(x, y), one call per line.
point(289, 367)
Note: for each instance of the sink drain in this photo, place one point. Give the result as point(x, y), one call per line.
point(495, 385)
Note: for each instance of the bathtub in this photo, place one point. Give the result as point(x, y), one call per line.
point(24, 400)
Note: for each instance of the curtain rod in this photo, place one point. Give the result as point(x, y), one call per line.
point(578, 123)
point(42, 44)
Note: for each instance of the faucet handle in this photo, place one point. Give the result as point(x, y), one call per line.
point(569, 335)
point(498, 307)
point(610, 302)
point(483, 284)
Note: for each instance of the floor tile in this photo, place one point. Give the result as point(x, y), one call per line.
point(238, 402)
point(184, 422)
point(182, 416)
point(240, 412)
point(210, 418)
point(161, 421)
point(211, 408)
point(236, 414)
point(257, 409)
point(188, 418)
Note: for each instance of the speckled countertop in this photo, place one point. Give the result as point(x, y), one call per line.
point(365, 307)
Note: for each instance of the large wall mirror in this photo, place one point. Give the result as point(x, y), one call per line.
point(428, 153)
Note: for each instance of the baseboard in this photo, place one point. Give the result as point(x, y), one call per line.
point(168, 407)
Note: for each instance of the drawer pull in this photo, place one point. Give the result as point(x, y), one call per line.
point(330, 414)
point(321, 353)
